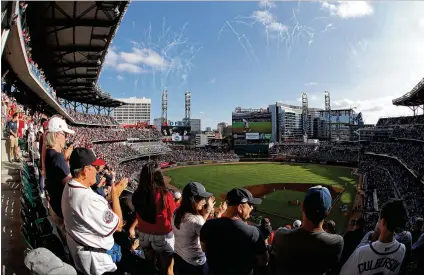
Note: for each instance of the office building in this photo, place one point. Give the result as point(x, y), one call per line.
point(135, 110)
point(220, 127)
point(195, 124)
point(157, 122)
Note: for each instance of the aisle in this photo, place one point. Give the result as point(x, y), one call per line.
point(12, 244)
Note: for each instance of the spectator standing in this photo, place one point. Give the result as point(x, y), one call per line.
point(330, 227)
point(56, 166)
point(154, 206)
point(418, 230)
point(232, 246)
point(178, 199)
point(297, 224)
point(384, 256)
point(308, 249)
point(89, 222)
point(404, 237)
point(13, 138)
point(352, 240)
point(196, 205)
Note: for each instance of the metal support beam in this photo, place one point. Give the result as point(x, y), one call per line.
point(76, 65)
point(81, 23)
point(78, 48)
point(75, 76)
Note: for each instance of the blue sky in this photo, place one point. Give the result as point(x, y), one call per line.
point(252, 54)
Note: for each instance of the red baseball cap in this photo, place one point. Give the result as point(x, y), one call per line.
point(99, 162)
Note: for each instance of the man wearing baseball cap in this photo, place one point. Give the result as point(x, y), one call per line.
point(89, 222)
point(308, 249)
point(232, 246)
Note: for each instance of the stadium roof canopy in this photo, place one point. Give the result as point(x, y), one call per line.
point(70, 40)
point(414, 98)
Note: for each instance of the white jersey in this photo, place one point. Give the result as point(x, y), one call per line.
point(375, 258)
point(89, 222)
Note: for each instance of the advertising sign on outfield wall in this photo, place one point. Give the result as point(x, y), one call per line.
point(252, 136)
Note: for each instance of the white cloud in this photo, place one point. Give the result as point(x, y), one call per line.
point(384, 67)
point(119, 77)
point(349, 9)
point(266, 18)
point(145, 56)
point(212, 81)
point(266, 4)
point(421, 22)
point(111, 58)
point(372, 109)
point(129, 68)
point(310, 84)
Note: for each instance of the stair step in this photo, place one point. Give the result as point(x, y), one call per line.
point(8, 178)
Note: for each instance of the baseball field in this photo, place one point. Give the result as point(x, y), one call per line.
point(279, 185)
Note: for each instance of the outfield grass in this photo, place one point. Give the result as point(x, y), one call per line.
point(219, 179)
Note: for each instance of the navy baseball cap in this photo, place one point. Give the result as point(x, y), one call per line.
point(196, 189)
point(241, 195)
point(317, 202)
point(80, 158)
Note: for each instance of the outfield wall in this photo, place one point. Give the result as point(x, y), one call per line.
point(293, 159)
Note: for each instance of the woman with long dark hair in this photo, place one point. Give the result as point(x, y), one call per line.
point(196, 205)
point(154, 206)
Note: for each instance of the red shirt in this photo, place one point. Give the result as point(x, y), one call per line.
point(163, 217)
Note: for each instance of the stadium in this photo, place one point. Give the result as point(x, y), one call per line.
point(278, 153)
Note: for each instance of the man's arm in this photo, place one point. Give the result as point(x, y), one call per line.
point(262, 256)
point(116, 205)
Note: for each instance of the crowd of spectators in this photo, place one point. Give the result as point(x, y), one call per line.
point(116, 134)
point(92, 118)
point(410, 127)
point(36, 71)
point(324, 152)
point(410, 153)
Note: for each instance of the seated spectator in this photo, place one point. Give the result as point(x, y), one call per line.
point(154, 206)
point(232, 246)
point(196, 205)
point(308, 249)
point(89, 222)
point(384, 256)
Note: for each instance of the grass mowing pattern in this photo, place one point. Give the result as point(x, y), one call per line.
point(219, 179)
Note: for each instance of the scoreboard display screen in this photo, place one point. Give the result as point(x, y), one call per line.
point(176, 133)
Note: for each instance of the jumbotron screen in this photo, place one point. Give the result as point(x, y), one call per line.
point(176, 133)
point(251, 125)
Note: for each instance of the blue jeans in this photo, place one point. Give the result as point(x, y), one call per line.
point(181, 267)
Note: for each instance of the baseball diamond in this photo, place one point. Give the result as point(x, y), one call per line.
point(279, 185)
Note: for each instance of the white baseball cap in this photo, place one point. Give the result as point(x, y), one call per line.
point(297, 224)
point(177, 195)
point(57, 124)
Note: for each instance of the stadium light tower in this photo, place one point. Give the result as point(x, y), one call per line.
point(305, 113)
point(328, 112)
point(187, 107)
point(164, 106)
